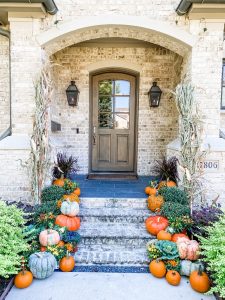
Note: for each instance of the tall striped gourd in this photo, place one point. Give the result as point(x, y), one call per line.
point(42, 264)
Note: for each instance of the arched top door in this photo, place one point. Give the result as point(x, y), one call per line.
point(113, 122)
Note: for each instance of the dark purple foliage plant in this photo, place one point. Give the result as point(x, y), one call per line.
point(204, 216)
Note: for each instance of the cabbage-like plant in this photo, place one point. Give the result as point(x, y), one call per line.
point(168, 249)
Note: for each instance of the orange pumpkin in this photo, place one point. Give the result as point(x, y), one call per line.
point(23, 279)
point(69, 247)
point(72, 223)
point(156, 223)
point(164, 235)
point(199, 281)
point(157, 268)
point(60, 244)
point(71, 197)
point(147, 190)
point(168, 183)
point(177, 236)
point(155, 203)
point(43, 248)
point(173, 277)
point(77, 191)
point(67, 264)
point(59, 182)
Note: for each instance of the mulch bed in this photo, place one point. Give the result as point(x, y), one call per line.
point(5, 286)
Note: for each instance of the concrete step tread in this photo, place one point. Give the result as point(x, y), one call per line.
point(115, 211)
point(113, 202)
point(114, 230)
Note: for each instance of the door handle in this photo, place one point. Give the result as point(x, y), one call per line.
point(94, 136)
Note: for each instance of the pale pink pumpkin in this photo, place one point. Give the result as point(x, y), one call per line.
point(49, 237)
point(188, 249)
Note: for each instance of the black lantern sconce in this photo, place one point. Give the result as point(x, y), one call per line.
point(154, 95)
point(72, 94)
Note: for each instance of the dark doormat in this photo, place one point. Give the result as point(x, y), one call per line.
point(112, 176)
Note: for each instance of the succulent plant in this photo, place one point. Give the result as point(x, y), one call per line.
point(168, 249)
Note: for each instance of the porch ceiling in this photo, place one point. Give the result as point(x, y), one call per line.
point(138, 28)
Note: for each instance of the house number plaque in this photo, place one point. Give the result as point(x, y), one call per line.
point(209, 165)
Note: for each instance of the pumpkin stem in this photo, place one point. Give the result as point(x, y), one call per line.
point(23, 265)
point(200, 270)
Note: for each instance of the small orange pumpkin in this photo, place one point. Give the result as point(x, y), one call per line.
point(60, 182)
point(77, 191)
point(72, 223)
point(177, 236)
point(43, 248)
point(168, 183)
point(157, 268)
point(69, 247)
point(173, 277)
point(60, 244)
point(67, 263)
point(164, 235)
point(199, 281)
point(23, 279)
point(71, 197)
point(156, 223)
point(147, 190)
point(155, 203)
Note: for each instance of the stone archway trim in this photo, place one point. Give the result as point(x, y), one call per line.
point(119, 64)
point(163, 29)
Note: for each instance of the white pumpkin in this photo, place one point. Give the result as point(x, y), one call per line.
point(70, 209)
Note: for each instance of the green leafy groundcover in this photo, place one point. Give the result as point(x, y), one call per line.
point(12, 243)
point(213, 251)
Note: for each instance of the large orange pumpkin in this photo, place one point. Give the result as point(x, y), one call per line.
point(173, 277)
point(67, 264)
point(71, 197)
point(157, 268)
point(72, 223)
point(156, 223)
point(199, 281)
point(23, 279)
point(155, 203)
point(164, 235)
point(60, 182)
point(177, 236)
point(77, 191)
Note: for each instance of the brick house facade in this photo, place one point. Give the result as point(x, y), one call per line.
point(85, 37)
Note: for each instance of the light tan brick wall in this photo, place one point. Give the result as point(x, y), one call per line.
point(4, 84)
point(222, 121)
point(156, 127)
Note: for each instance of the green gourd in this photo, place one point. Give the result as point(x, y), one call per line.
point(187, 267)
point(42, 264)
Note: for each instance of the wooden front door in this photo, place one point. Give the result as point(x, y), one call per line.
point(113, 122)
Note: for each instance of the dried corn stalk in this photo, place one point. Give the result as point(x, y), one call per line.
point(191, 134)
point(39, 161)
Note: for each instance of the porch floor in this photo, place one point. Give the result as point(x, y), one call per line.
point(105, 286)
point(112, 188)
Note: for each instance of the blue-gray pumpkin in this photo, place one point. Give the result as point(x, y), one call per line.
point(42, 264)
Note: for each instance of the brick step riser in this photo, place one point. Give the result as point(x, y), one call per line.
point(124, 242)
point(113, 219)
point(110, 258)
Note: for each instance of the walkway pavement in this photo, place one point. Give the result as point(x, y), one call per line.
point(112, 188)
point(105, 286)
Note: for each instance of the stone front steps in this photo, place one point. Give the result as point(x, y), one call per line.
point(113, 232)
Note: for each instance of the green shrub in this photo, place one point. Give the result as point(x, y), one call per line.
point(173, 194)
point(213, 251)
point(172, 210)
point(12, 242)
point(52, 193)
